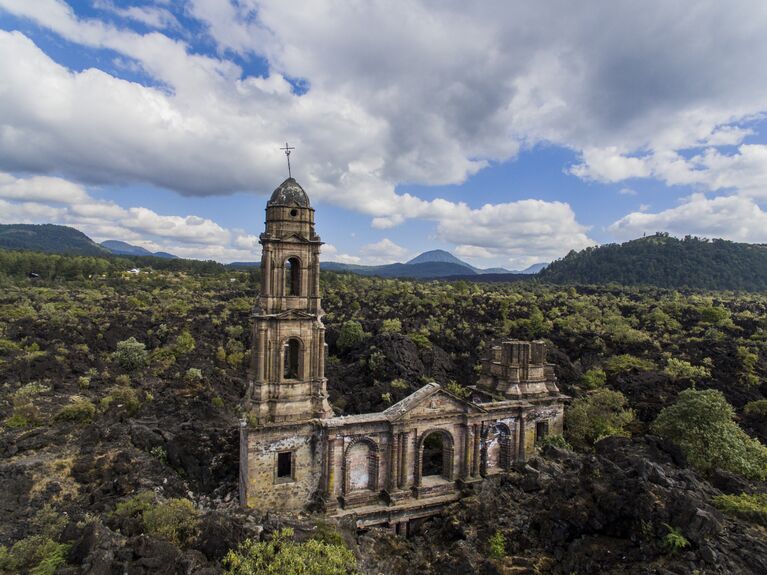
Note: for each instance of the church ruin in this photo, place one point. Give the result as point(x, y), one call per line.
point(404, 463)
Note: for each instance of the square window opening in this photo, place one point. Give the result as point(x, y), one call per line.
point(284, 465)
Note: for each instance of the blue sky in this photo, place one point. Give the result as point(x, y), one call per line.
point(506, 132)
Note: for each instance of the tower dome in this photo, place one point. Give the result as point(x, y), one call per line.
point(289, 193)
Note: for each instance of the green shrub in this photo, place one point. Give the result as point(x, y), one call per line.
point(217, 402)
point(23, 415)
point(555, 441)
point(184, 344)
point(595, 416)
point(283, 556)
point(36, 555)
point(193, 374)
point(458, 390)
point(386, 397)
point(702, 424)
point(131, 354)
point(175, 520)
point(235, 359)
point(752, 508)
point(594, 378)
point(124, 398)
point(625, 363)
point(497, 544)
point(83, 382)
point(756, 408)
point(398, 384)
point(135, 506)
point(674, 540)
point(678, 369)
point(160, 453)
point(80, 410)
point(391, 326)
point(420, 340)
point(351, 335)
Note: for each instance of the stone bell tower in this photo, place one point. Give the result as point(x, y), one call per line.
point(288, 358)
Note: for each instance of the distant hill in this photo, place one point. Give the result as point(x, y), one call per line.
point(423, 270)
point(429, 265)
point(438, 256)
point(665, 261)
point(48, 238)
point(125, 249)
point(533, 269)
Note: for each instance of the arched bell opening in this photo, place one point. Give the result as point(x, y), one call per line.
point(291, 365)
point(293, 277)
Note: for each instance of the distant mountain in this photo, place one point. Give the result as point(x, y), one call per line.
point(533, 269)
point(442, 256)
point(438, 256)
point(48, 238)
point(423, 270)
point(125, 249)
point(429, 265)
point(665, 261)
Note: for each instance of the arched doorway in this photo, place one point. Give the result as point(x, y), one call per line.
point(435, 456)
point(293, 276)
point(433, 459)
point(292, 359)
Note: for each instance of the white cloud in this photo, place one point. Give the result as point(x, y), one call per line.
point(383, 252)
point(430, 94)
point(152, 16)
point(29, 201)
point(730, 217)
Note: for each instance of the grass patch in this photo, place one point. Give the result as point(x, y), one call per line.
point(752, 508)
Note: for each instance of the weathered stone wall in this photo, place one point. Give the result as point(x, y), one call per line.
point(264, 490)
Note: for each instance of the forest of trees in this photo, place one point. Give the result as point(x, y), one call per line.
point(665, 261)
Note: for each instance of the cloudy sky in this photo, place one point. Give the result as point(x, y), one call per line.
point(507, 132)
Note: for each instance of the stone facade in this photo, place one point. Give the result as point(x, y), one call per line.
point(404, 463)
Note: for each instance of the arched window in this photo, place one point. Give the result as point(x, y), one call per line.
point(293, 277)
point(291, 360)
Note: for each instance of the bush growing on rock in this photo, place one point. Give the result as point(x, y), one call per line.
point(678, 369)
point(594, 378)
point(36, 554)
point(596, 416)
point(747, 506)
point(176, 520)
point(283, 556)
point(131, 354)
point(184, 344)
point(702, 424)
point(391, 326)
point(122, 397)
point(351, 335)
point(625, 363)
point(497, 545)
point(80, 410)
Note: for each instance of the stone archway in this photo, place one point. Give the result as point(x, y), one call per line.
point(360, 466)
point(438, 444)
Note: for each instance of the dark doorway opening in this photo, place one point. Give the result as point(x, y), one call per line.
point(541, 430)
point(433, 455)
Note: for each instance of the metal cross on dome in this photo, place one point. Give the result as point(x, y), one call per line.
point(287, 149)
